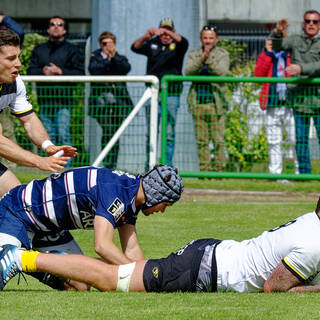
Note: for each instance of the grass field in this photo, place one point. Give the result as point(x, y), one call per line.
point(222, 217)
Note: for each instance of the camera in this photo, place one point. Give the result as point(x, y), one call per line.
point(276, 44)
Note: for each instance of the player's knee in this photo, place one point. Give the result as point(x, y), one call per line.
point(125, 272)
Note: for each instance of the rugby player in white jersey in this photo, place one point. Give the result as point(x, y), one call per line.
point(286, 258)
point(13, 95)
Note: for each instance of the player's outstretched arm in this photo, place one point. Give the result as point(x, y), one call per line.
point(37, 134)
point(281, 279)
point(11, 151)
point(315, 288)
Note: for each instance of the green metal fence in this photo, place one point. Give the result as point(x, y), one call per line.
point(241, 147)
point(87, 117)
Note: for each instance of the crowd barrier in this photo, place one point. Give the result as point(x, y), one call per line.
point(102, 116)
point(243, 149)
point(111, 125)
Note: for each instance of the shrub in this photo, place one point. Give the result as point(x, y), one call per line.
point(243, 150)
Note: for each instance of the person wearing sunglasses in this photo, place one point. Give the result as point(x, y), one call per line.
point(110, 103)
point(305, 63)
point(52, 58)
point(207, 100)
point(165, 49)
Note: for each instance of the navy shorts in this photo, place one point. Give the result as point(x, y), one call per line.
point(177, 272)
point(9, 223)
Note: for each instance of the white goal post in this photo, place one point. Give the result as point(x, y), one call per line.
point(151, 92)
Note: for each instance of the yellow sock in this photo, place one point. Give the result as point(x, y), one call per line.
point(28, 260)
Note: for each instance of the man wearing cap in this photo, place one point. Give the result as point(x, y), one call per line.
point(39, 214)
point(207, 101)
point(165, 50)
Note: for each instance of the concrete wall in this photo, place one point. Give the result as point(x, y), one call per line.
point(260, 11)
point(79, 9)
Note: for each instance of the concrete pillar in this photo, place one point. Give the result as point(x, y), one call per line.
point(130, 19)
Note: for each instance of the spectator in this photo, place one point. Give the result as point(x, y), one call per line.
point(13, 95)
point(8, 23)
point(111, 101)
point(165, 50)
point(273, 98)
point(305, 63)
point(56, 57)
point(207, 101)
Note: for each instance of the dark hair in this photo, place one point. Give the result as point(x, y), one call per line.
point(107, 35)
point(58, 17)
point(311, 12)
point(9, 38)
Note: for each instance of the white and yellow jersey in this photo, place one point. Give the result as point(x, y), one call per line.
point(245, 266)
point(14, 96)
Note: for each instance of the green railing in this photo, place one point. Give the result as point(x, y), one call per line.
point(249, 87)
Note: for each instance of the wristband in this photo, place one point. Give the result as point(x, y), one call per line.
point(46, 144)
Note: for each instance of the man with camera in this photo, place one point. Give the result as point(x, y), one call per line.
point(305, 63)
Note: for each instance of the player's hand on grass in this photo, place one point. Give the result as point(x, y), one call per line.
point(67, 151)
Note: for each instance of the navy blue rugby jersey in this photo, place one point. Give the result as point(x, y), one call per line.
point(71, 199)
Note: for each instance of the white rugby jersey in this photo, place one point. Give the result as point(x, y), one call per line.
point(14, 96)
point(245, 266)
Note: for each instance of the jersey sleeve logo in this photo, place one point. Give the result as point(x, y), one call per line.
point(117, 209)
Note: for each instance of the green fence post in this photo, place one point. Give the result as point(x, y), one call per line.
point(164, 96)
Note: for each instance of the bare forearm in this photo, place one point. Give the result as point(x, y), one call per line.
point(175, 36)
point(315, 288)
point(34, 129)
point(14, 153)
point(112, 254)
point(135, 254)
point(139, 42)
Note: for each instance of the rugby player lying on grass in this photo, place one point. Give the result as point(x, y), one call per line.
point(286, 258)
point(40, 214)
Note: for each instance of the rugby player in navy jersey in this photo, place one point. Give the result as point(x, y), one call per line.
point(285, 258)
point(38, 215)
point(13, 95)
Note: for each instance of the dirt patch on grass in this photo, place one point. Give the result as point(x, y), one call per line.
point(248, 196)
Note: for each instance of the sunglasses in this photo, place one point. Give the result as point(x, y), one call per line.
point(59, 24)
point(209, 27)
point(104, 43)
point(308, 21)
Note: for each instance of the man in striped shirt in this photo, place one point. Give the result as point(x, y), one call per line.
point(39, 214)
